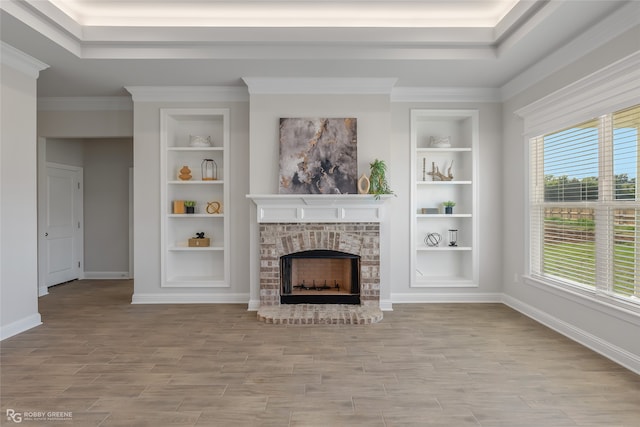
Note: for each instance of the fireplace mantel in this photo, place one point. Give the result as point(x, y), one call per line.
point(295, 208)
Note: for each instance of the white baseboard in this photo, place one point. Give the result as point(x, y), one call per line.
point(139, 298)
point(106, 275)
point(619, 355)
point(422, 298)
point(386, 305)
point(254, 305)
point(19, 326)
point(42, 291)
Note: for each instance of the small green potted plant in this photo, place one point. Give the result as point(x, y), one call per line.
point(448, 206)
point(378, 179)
point(190, 206)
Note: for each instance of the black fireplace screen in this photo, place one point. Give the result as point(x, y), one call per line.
point(321, 277)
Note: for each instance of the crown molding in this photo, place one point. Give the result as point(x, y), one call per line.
point(612, 88)
point(20, 61)
point(85, 103)
point(55, 16)
point(319, 86)
point(620, 21)
point(48, 20)
point(187, 93)
point(445, 94)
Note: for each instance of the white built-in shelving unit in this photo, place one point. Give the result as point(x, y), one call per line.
point(184, 266)
point(444, 265)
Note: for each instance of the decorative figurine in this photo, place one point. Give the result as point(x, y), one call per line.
point(432, 239)
point(435, 172)
point(213, 207)
point(185, 173)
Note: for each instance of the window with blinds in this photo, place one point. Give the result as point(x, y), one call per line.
point(585, 205)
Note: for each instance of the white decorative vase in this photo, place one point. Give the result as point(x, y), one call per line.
point(364, 184)
point(199, 141)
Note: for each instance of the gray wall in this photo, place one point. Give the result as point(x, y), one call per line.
point(106, 206)
point(593, 324)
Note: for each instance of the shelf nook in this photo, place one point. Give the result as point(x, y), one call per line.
point(443, 173)
point(187, 261)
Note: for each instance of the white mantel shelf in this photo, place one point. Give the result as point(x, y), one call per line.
point(319, 207)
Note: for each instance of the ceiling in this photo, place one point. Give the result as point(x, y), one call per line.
point(97, 47)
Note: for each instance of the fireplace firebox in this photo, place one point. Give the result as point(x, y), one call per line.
point(320, 276)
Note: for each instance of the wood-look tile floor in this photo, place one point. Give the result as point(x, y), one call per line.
point(111, 363)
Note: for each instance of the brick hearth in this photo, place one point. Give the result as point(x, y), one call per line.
point(319, 314)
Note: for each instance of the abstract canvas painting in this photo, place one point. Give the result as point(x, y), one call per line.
point(318, 156)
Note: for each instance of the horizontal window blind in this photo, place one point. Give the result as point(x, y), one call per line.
point(620, 254)
point(567, 161)
point(584, 209)
point(626, 124)
point(571, 164)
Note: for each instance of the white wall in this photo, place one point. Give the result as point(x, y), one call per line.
point(147, 210)
point(609, 331)
point(18, 214)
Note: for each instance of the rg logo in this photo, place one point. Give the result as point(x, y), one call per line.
point(14, 416)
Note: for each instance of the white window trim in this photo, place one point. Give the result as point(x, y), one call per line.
point(610, 89)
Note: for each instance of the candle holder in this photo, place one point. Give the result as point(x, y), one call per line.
point(453, 237)
point(209, 170)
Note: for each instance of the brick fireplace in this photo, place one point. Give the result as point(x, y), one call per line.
point(280, 239)
point(292, 224)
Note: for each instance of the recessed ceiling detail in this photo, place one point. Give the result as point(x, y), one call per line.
point(288, 13)
point(97, 47)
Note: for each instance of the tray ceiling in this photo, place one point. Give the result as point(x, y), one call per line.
point(96, 47)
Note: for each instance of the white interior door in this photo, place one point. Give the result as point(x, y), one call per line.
point(61, 225)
